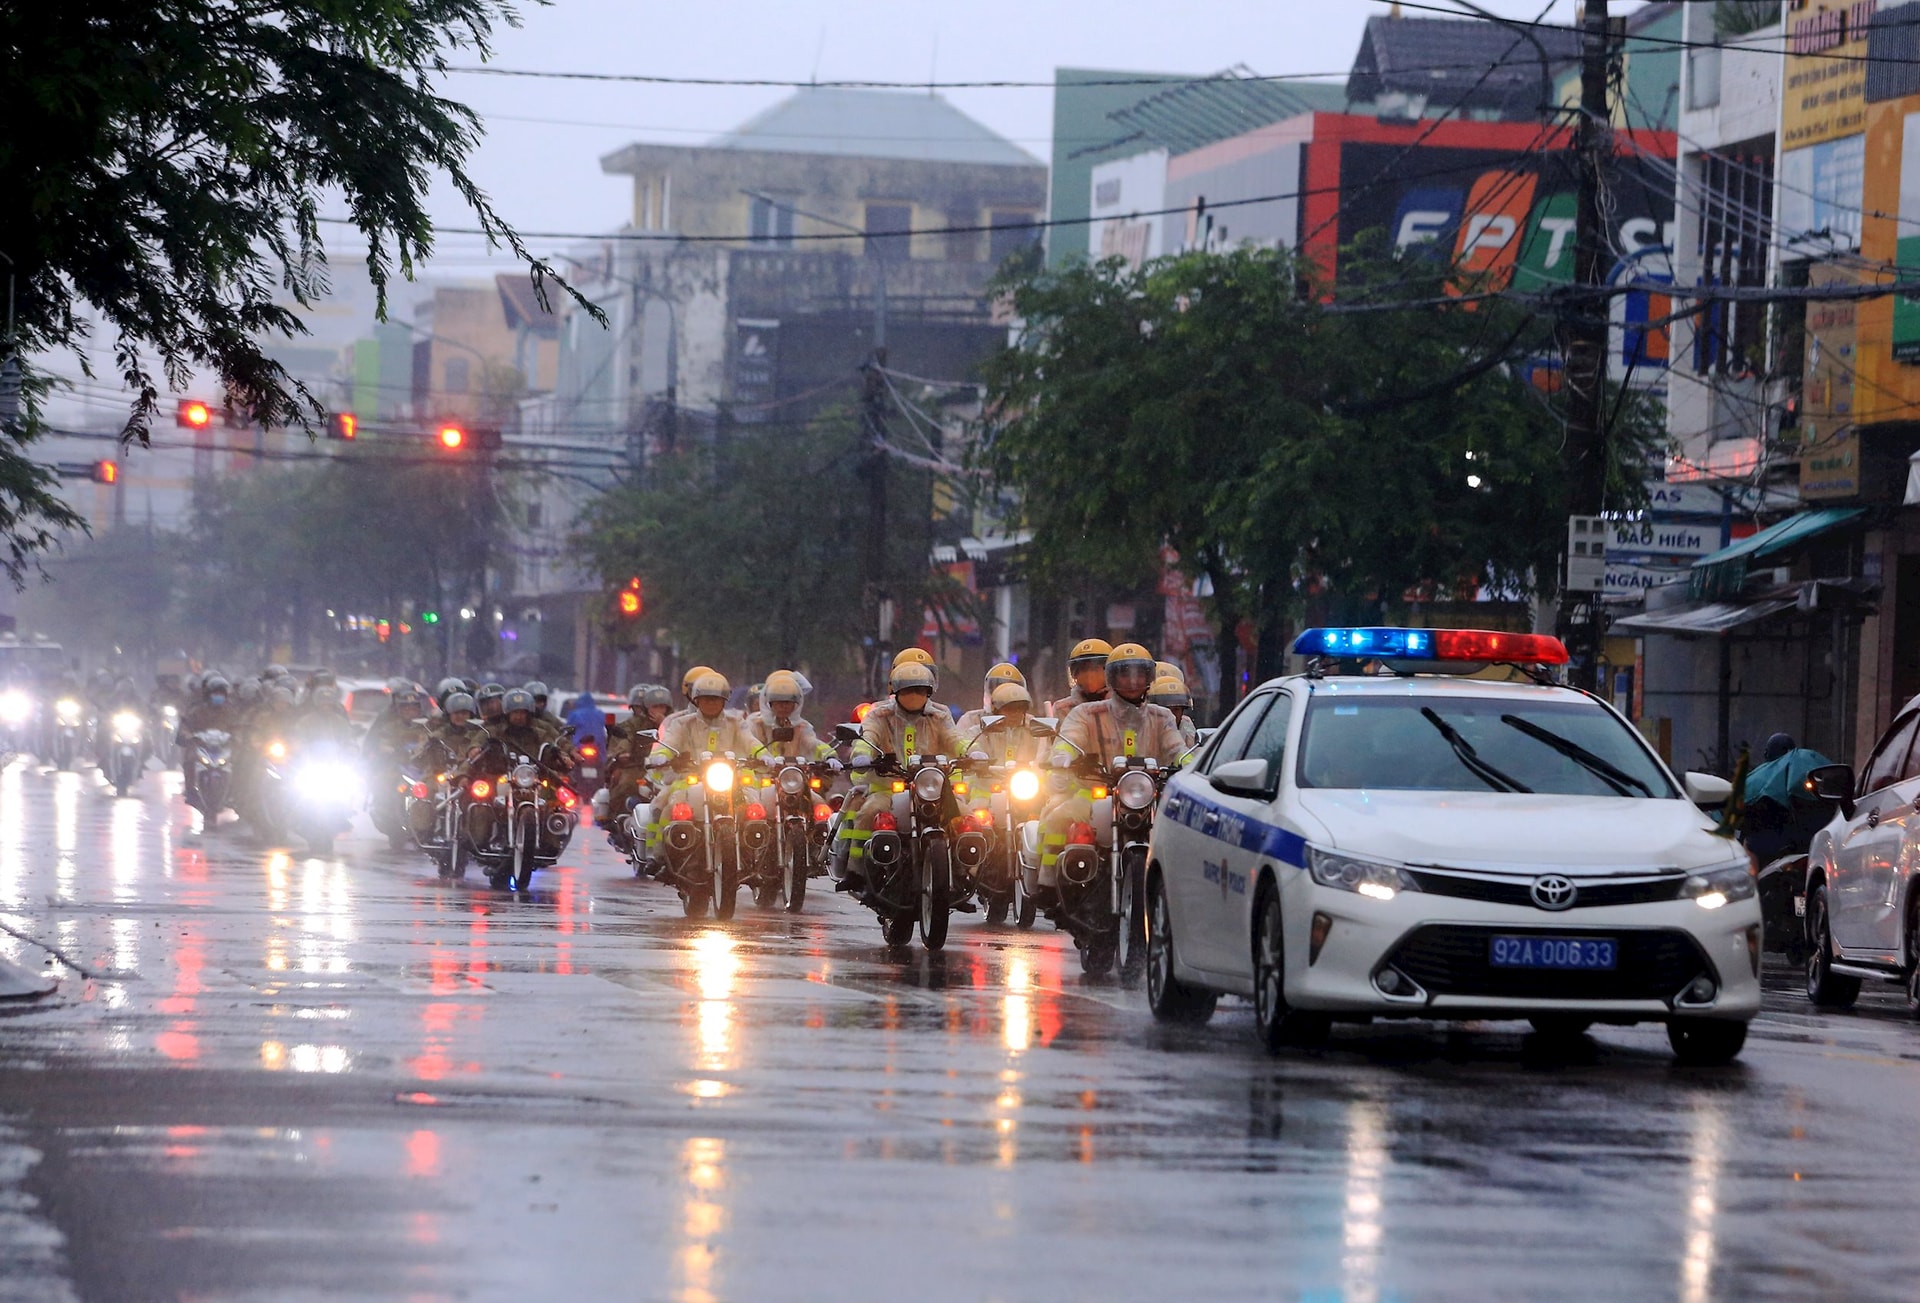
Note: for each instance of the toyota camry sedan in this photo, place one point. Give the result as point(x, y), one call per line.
point(1399, 833)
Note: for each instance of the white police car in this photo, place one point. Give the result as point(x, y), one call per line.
point(1381, 838)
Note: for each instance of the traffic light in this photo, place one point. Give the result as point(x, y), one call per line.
point(345, 425)
point(105, 472)
point(631, 602)
point(194, 414)
point(451, 437)
point(429, 617)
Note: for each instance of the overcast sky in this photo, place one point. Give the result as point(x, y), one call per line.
point(541, 159)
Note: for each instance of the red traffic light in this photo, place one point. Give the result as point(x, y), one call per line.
point(194, 414)
point(631, 601)
point(345, 426)
point(452, 437)
point(106, 472)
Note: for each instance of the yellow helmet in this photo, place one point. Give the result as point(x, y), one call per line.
point(1134, 663)
point(1086, 652)
point(782, 685)
point(910, 677)
point(915, 655)
point(686, 680)
point(1170, 692)
point(711, 684)
point(1010, 694)
point(1004, 672)
point(1168, 670)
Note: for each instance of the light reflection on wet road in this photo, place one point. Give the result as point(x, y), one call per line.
point(266, 1075)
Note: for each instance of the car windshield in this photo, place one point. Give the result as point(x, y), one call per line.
point(1465, 744)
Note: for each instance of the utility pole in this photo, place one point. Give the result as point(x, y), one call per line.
point(1589, 321)
point(873, 433)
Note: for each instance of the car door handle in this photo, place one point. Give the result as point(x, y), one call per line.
point(1873, 818)
point(1211, 822)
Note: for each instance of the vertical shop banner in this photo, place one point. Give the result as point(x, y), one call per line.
point(1829, 452)
point(1826, 71)
point(1906, 310)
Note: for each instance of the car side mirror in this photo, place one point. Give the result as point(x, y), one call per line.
point(1833, 783)
point(1240, 777)
point(846, 733)
point(1707, 790)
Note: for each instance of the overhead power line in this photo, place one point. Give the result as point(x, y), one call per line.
point(652, 79)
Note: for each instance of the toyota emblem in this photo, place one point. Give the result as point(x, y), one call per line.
point(1554, 891)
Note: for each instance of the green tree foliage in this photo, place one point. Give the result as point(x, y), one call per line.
point(750, 545)
point(368, 531)
point(1305, 461)
point(166, 167)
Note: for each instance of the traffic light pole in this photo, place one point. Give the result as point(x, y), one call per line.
point(1587, 453)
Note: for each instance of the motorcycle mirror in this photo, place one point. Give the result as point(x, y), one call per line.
point(991, 721)
point(1043, 727)
point(845, 733)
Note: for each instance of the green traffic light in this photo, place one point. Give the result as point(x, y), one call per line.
point(430, 617)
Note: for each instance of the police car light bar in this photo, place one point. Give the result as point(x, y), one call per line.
point(1432, 645)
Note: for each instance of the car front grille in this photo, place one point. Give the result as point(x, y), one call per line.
point(1591, 894)
point(1452, 959)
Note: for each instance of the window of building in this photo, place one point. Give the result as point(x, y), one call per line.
point(770, 222)
point(459, 375)
point(1013, 231)
point(887, 225)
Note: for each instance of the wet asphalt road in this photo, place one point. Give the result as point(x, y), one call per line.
point(265, 1076)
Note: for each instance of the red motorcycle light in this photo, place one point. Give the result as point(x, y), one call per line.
point(822, 812)
point(681, 813)
point(419, 791)
point(984, 818)
point(566, 798)
point(1080, 834)
point(589, 751)
point(481, 789)
point(884, 822)
point(756, 811)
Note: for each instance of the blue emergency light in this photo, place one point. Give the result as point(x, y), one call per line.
point(1432, 645)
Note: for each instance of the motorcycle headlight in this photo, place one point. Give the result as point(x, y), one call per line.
point(719, 777)
point(1024, 785)
point(1376, 879)
point(1134, 790)
point(328, 781)
point(276, 750)
point(1712, 888)
point(526, 775)
point(127, 726)
point(792, 781)
point(929, 784)
point(16, 707)
point(68, 710)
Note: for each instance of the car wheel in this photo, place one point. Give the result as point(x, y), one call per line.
point(1826, 988)
point(1706, 1042)
point(1171, 999)
point(1277, 1023)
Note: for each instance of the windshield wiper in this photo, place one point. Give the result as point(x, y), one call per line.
point(1463, 749)
point(1616, 778)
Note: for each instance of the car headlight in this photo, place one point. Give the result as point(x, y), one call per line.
point(1024, 785)
point(127, 726)
point(526, 775)
point(929, 784)
point(719, 777)
point(68, 710)
point(1373, 878)
point(1134, 790)
point(16, 707)
point(792, 781)
point(1712, 888)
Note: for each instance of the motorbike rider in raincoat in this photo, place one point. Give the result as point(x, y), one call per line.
point(1087, 666)
point(908, 724)
point(1005, 672)
point(708, 728)
point(1125, 724)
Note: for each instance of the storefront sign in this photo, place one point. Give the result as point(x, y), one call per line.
point(1829, 456)
point(1826, 72)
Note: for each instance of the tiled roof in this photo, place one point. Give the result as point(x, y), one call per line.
point(1445, 60)
point(874, 124)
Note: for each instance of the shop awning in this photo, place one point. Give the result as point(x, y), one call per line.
point(1712, 618)
point(1722, 573)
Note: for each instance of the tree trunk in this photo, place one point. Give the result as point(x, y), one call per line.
point(1270, 657)
point(1226, 616)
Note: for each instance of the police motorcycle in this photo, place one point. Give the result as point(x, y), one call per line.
point(924, 851)
point(435, 810)
point(390, 784)
point(797, 850)
point(124, 753)
point(310, 793)
point(1013, 801)
point(16, 719)
point(712, 835)
point(213, 773)
point(68, 731)
point(521, 818)
point(1100, 893)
